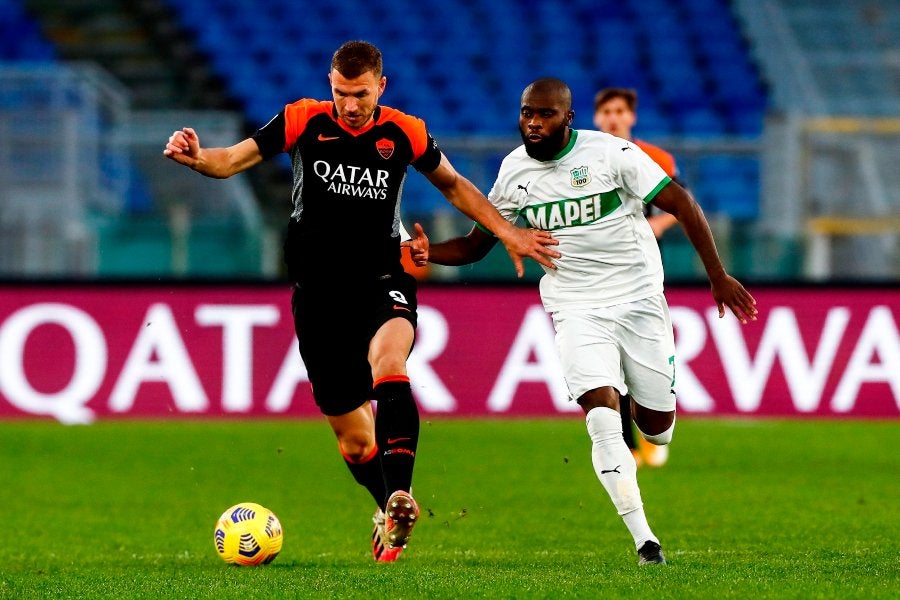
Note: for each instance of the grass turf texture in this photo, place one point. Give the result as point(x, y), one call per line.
point(510, 509)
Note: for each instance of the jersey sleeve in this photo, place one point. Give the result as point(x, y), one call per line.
point(430, 158)
point(639, 174)
point(270, 137)
point(502, 199)
point(663, 158)
point(426, 154)
point(281, 133)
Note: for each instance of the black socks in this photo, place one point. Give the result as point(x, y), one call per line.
point(367, 473)
point(396, 432)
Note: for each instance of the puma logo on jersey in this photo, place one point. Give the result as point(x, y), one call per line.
point(524, 187)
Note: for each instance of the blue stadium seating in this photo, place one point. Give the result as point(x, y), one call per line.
point(20, 39)
point(729, 186)
point(464, 76)
point(687, 60)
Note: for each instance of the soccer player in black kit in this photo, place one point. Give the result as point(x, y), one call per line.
point(354, 307)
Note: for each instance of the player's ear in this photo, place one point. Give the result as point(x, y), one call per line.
point(570, 116)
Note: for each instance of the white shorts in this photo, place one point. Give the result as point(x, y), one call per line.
point(630, 347)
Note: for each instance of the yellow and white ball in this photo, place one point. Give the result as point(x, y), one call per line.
point(248, 534)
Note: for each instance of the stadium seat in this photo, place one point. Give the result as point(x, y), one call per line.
point(729, 186)
point(609, 45)
point(20, 38)
point(687, 60)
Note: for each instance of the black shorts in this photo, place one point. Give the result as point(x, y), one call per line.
point(334, 327)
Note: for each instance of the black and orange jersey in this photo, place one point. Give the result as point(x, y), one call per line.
point(347, 185)
point(661, 157)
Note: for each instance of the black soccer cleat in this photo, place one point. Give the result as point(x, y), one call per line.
point(651, 554)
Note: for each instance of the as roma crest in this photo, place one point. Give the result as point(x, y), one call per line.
point(385, 148)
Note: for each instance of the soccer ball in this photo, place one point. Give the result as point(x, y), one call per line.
point(248, 534)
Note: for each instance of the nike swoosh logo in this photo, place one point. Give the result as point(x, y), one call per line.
point(325, 138)
point(398, 307)
point(616, 470)
point(397, 439)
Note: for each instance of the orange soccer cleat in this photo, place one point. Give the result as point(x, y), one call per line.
point(381, 551)
point(401, 515)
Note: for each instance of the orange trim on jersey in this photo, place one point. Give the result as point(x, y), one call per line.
point(361, 461)
point(298, 114)
point(389, 378)
point(659, 156)
point(413, 127)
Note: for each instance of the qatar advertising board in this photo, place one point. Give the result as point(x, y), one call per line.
point(80, 353)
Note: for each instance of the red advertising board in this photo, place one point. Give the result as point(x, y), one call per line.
point(78, 353)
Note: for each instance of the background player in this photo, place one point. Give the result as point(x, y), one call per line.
point(615, 112)
point(356, 324)
point(613, 331)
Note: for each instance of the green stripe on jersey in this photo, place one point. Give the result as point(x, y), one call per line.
point(656, 190)
point(484, 229)
point(571, 211)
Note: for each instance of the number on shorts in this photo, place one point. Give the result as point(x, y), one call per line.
point(672, 362)
point(398, 296)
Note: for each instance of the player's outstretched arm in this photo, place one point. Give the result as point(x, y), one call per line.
point(726, 290)
point(184, 148)
point(520, 243)
point(457, 251)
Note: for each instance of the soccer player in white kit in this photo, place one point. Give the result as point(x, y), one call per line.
point(613, 332)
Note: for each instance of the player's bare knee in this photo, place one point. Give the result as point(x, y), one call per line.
point(652, 422)
point(661, 438)
point(356, 447)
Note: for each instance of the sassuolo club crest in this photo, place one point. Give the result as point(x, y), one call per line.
point(581, 176)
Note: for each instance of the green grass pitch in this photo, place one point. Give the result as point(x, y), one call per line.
point(510, 509)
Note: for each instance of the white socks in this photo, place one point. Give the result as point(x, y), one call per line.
point(617, 471)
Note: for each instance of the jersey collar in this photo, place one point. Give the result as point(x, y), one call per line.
point(355, 132)
point(573, 135)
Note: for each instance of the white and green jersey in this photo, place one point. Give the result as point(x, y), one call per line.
point(590, 196)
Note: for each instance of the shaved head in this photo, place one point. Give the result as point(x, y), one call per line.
point(550, 87)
